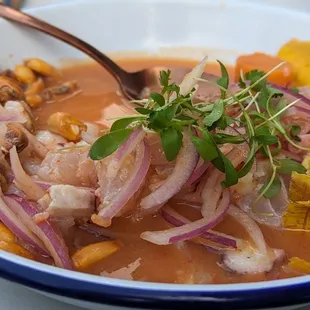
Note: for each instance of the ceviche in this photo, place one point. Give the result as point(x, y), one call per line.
point(205, 180)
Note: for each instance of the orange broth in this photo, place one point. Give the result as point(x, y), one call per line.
point(187, 263)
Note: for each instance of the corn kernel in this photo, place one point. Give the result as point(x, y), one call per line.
point(34, 101)
point(299, 264)
point(15, 249)
point(24, 74)
point(6, 235)
point(66, 125)
point(41, 67)
point(35, 88)
point(93, 253)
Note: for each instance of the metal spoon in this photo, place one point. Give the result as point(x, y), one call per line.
point(131, 84)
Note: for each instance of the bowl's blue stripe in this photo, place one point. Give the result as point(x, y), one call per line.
point(153, 299)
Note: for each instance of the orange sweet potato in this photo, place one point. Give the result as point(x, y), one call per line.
point(283, 76)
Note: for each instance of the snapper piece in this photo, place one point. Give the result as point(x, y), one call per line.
point(256, 256)
point(67, 200)
point(70, 166)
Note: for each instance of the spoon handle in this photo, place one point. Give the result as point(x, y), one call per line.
point(33, 22)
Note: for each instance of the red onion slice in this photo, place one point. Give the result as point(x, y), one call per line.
point(44, 185)
point(176, 219)
point(9, 218)
point(190, 230)
point(132, 185)
point(184, 167)
point(22, 180)
point(200, 169)
point(125, 149)
point(45, 231)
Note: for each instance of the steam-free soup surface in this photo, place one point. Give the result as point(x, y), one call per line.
point(180, 263)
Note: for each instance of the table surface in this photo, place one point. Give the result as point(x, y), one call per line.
point(13, 296)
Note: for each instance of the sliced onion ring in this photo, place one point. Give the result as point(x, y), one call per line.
point(10, 219)
point(183, 169)
point(190, 230)
point(22, 180)
point(176, 219)
point(126, 148)
point(140, 169)
point(45, 231)
point(200, 169)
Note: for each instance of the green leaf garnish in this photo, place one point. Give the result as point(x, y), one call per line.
point(255, 75)
point(295, 90)
point(241, 83)
point(271, 190)
point(171, 140)
point(294, 132)
point(205, 146)
point(224, 122)
point(164, 77)
point(287, 166)
point(143, 111)
point(222, 138)
point(124, 122)
point(223, 81)
point(245, 169)
point(216, 113)
point(109, 143)
point(266, 139)
point(231, 175)
point(254, 113)
point(161, 119)
point(266, 94)
point(158, 98)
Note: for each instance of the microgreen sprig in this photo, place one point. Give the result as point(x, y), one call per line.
point(169, 113)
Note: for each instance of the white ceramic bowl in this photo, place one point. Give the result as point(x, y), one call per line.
point(222, 29)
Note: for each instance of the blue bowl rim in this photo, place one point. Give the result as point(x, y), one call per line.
point(101, 290)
